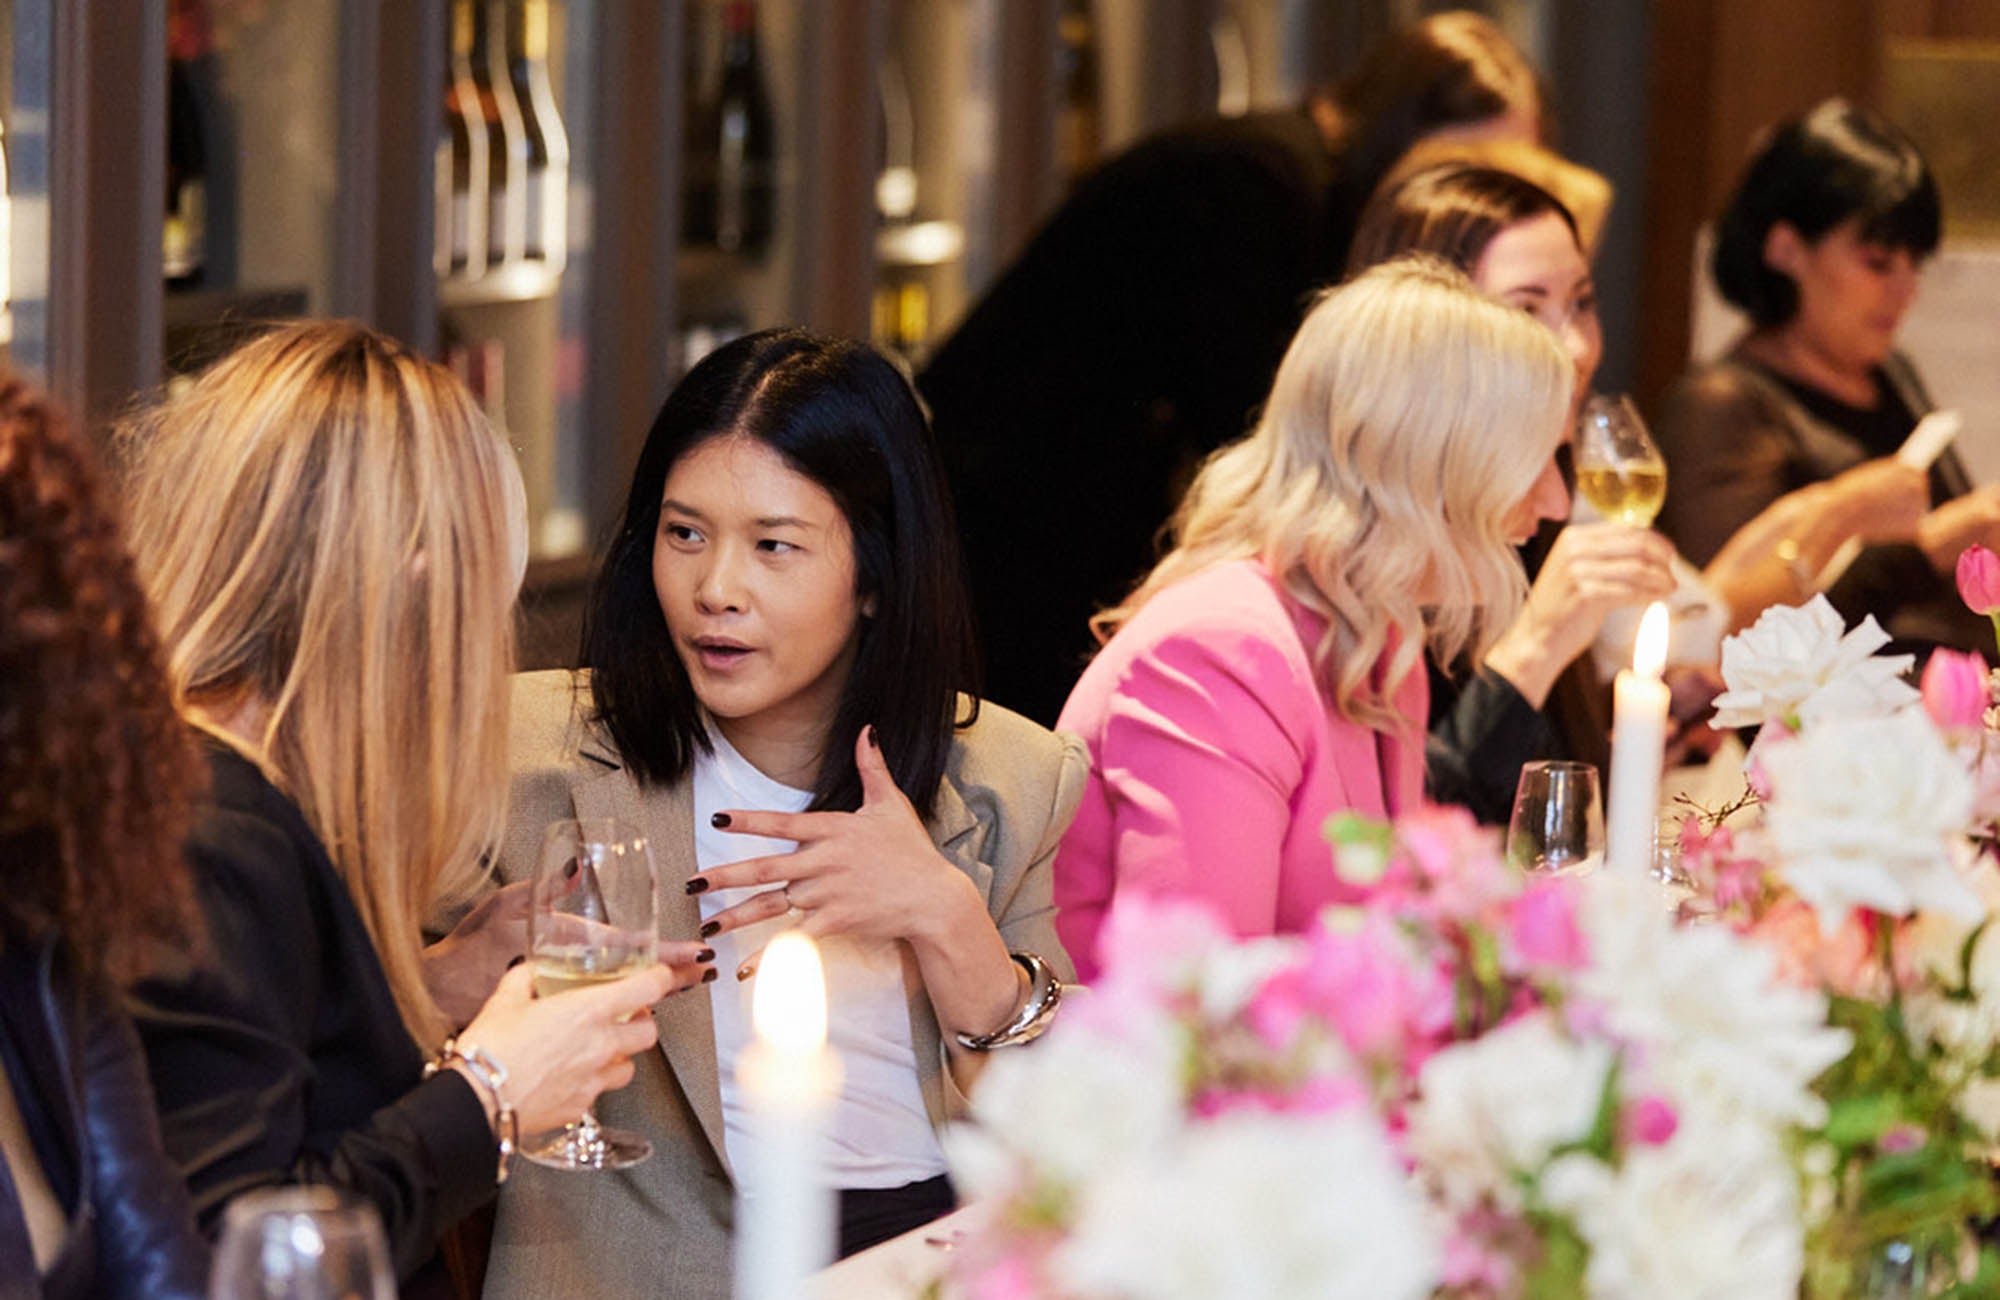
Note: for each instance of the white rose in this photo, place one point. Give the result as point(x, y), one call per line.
point(1075, 1102)
point(1864, 812)
point(1800, 663)
point(1279, 1206)
point(1495, 1107)
point(1704, 1003)
point(1712, 1214)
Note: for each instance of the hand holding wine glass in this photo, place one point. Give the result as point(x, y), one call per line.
point(1619, 470)
point(592, 919)
point(560, 1052)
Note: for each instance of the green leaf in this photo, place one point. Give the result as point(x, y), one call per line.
point(1860, 1120)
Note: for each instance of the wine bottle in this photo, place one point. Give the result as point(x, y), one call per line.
point(506, 140)
point(548, 144)
point(184, 236)
point(732, 190)
point(1077, 140)
point(462, 153)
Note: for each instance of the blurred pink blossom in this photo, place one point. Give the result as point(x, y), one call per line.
point(1955, 691)
point(1650, 1121)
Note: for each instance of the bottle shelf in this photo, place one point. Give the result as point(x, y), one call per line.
point(513, 282)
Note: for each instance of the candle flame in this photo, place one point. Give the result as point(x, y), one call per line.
point(788, 1007)
point(1649, 653)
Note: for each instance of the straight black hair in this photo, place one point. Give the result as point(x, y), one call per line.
point(1833, 163)
point(841, 414)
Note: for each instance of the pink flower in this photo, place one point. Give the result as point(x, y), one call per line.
point(1381, 999)
point(1979, 579)
point(1476, 1260)
point(1954, 687)
point(1155, 942)
point(1009, 1278)
point(1649, 1121)
point(1902, 1139)
point(1541, 928)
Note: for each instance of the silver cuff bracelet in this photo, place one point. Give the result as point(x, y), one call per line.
point(1035, 1015)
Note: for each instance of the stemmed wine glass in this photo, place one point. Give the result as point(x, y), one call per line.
point(592, 917)
point(1558, 822)
point(301, 1243)
point(1619, 470)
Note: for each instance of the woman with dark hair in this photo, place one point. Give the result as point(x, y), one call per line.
point(1821, 246)
point(1521, 701)
point(1144, 321)
point(95, 780)
point(779, 662)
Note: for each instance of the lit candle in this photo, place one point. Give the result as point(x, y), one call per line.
point(785, 1228)
point(1638, 747)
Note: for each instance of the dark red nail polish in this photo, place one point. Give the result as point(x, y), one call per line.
point(706, 954)
point(698, 885)
point(708, 976)
point(516, 960)
point(709, 929)
point(569, 872)
point(873, 743)
point(745, 973)
point(720, 821)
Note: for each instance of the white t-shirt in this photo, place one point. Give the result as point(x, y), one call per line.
point(880, 1133)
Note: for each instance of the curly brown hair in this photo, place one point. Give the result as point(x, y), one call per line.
point(97, 772)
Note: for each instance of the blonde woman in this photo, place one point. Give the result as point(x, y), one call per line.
point(333, 540)
point(1269, 671)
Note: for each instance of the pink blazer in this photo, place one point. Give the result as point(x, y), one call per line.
point(1215, 760)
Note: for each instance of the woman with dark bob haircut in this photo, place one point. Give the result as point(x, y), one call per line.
point(778, 651)
point(1821, 245)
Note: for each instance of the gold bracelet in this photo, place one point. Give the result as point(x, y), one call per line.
point(489, 1075)
point(1803, 578)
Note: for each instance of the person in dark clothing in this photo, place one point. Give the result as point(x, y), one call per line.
point(95, 779)
point(1146, 319)
point(333, 539)
point(1821, 246)
point(1527, 698)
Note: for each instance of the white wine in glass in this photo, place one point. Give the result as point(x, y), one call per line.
point(1618, 469)
point(592, 917)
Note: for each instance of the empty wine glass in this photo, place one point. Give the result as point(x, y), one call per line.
point(592, 917)
point(1558, 822)
point(1619, 470)
point(301, 1243)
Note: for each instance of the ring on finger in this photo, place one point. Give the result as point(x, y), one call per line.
point(793, 912)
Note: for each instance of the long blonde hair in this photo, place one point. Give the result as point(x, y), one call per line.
point(331, 535)
point(1408, 418)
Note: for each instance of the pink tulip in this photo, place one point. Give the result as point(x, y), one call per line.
point(1979, 579)
point(1954, 687)
point(1649, 1121)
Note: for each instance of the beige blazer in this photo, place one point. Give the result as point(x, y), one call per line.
point(662, 1228)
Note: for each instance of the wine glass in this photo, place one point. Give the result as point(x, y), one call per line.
point(1618, 469)
point(1558, 822)
point(301, 1243)
point(592, 917)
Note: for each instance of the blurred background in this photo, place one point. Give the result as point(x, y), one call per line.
point(570, 200)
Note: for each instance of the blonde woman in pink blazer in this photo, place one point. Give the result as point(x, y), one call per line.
point(1269, 671)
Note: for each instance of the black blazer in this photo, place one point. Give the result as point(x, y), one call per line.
point(278, 1054)
point(80, 1083)
point(1135, 334)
